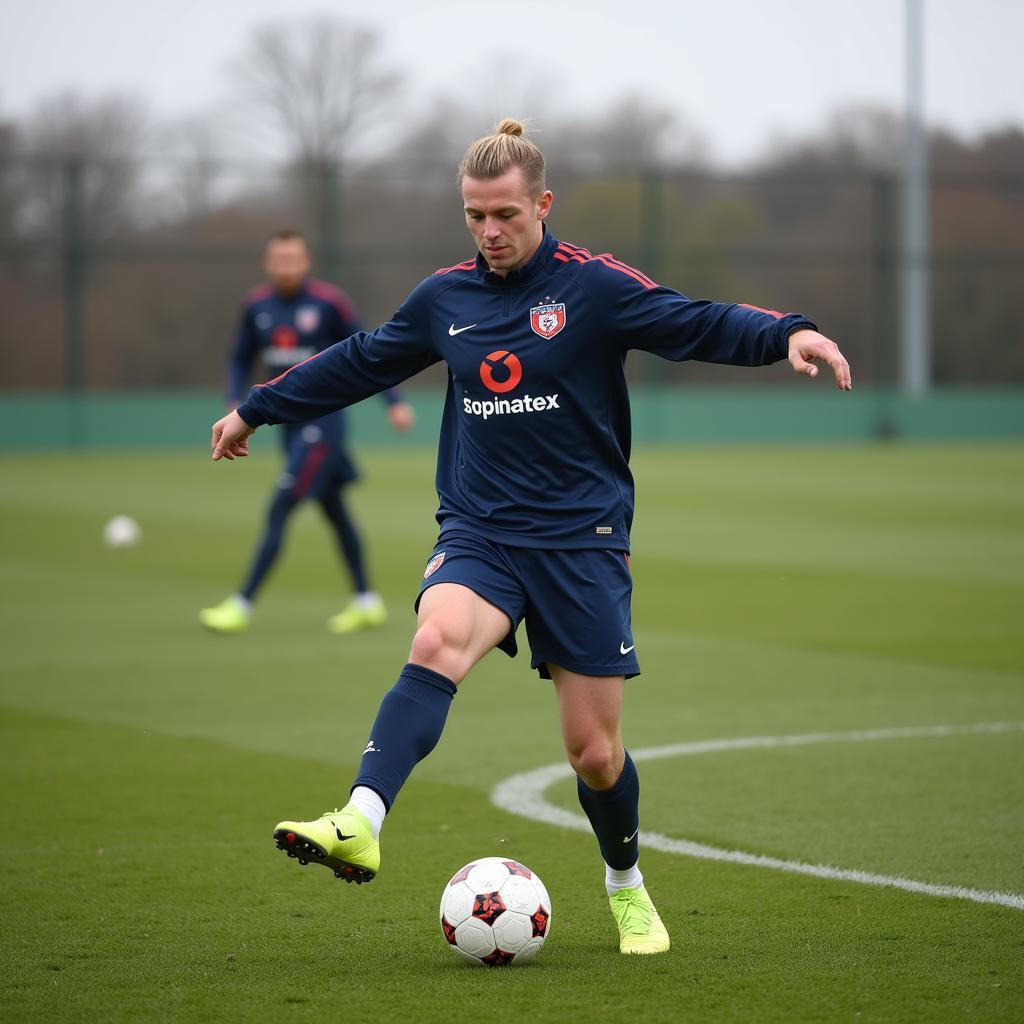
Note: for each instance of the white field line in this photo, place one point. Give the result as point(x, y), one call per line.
point(524, 795)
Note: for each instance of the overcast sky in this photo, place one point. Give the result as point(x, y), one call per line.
point(742, 72)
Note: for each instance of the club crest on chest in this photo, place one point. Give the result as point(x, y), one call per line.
point(307, 319)
point(548, 320)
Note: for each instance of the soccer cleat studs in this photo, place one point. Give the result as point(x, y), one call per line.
point(339, 840)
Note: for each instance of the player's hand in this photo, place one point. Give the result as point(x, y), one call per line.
point(231, 437)
point(807, 346)
point(402, 416)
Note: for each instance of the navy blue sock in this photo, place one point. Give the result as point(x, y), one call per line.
point(615, 816)
point(266, 554)
point(407, 728)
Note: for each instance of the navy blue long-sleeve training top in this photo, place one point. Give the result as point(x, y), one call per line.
point(535, 436)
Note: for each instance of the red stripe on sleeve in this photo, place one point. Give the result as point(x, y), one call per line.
point(760, 309)
point(566, 253)
point(466, 265)
point(625, 266)
point(576, 250)
point(259, 293)
point(335, 296)
point(629, 272)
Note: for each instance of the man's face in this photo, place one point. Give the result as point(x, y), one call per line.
point(505, 221)
point(286, 264)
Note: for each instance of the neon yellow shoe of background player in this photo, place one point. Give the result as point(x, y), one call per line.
point(357, 615)
point(340, 840)
point(640, 928)
point(230, 616)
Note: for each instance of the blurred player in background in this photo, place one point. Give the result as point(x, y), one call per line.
point(536, 495)
point(285, 321)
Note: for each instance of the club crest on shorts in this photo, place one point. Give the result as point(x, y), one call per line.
point(307, 319)
point(548, 320)
point(434, 564)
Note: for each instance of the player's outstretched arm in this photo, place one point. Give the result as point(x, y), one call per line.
point(807, 346)
point(231, 437)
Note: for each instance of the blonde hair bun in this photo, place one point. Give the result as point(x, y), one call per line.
point(494, 155)
point(510, 126)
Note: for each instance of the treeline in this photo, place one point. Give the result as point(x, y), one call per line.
point(126, 244)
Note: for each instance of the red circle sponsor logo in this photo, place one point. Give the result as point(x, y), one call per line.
point(284, 336)
point(501, 371)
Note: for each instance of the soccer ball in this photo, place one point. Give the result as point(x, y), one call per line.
point(121, 532)
point(495, 912)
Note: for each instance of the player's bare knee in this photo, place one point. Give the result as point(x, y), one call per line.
point(433, 648)
point(595, 764)
point(428, 644)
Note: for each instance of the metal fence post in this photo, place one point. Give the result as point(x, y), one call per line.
point(74, 267)
point(652, 218)
point(328, 221)
point(915, 337)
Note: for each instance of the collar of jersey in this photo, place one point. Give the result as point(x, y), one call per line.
point(517, 278)
point(300, 293)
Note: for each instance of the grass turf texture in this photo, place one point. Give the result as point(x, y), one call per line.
point(778, 591)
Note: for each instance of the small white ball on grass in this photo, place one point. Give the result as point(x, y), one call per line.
point(121, 532)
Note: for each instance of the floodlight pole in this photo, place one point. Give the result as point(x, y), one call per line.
point(915, 342)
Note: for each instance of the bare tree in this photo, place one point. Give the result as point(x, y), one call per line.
point(855, 137)
point(198, 168)
point(319, 84)
point(90, 146)
point(7, 177)
point(633, 134)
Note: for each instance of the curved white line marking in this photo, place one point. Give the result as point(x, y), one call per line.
point(524, 795)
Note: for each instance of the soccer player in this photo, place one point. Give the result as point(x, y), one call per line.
point(536, 496)
point(290, 318)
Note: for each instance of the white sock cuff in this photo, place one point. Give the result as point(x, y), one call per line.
point(369, 802)
point(615, 880)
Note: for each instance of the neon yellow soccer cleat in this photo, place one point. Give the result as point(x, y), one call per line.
point(230, 616)
point(640, 928)
point(340, 840)
point(356, 616)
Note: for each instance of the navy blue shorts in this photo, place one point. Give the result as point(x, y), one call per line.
point(576, 603)
point(314, 462)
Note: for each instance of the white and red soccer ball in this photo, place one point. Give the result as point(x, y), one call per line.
point(495, 912)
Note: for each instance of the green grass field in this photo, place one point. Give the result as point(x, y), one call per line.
point(779, 592)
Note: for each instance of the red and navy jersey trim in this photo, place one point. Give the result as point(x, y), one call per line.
point(566, 253)
point(335, 296)
point(259, 293)
point(465, 265)
point(760, 309)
